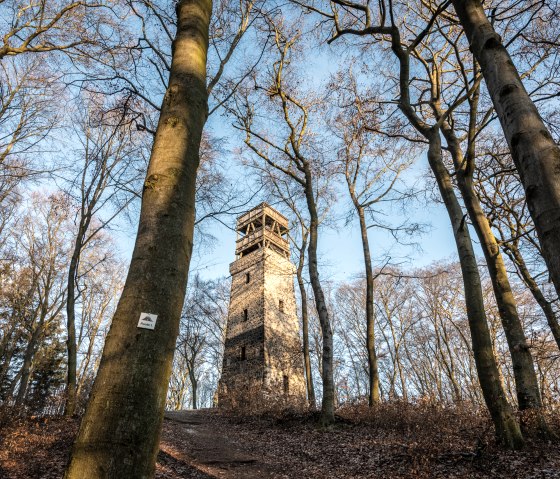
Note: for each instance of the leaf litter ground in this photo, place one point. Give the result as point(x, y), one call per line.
point(390, 441)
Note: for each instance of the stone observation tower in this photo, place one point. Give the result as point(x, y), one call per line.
point(262, 358)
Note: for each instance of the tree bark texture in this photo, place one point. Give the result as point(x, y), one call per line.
point(373, 372)
point(194, 385)
point(305, 326)
point(327, 405)
point(536, 155)
point(119, 433)
point(526, 382)
point(71, 347)
point(507, 427)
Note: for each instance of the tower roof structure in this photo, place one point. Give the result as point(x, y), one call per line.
point(262, 227)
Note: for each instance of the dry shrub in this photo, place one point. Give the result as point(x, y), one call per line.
point(423, 417)
point(253, 402)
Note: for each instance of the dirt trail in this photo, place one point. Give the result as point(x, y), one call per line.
point(193, 446)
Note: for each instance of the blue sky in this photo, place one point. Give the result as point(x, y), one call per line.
point(340, 247)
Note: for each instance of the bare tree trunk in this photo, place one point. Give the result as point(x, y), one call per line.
point(446, 362)
point(373, 372)
point(536, 155)
point(87, 359)
point(327, 405)
point(517, 259)
point(194, 385)
point(9, 343)
point(7, 336)
point(452, 376)
point(526, 383)
point(119, 434)
point(507, 427)
point(25, 371)
point(505, 422)
point(305, 326)
point(72, 364)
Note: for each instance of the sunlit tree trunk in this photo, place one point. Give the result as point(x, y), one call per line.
point(536, 155)
point(119, 433)
point(194, 385)
point(327, 404)
point(71, 345)
point(305, 324)
point(526, 383)
point(507, 427)
point(373, 372)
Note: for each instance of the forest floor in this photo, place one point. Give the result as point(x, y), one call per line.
point(393, 441)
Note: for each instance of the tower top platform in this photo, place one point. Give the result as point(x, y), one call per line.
point(262, 227)
point(257, 213)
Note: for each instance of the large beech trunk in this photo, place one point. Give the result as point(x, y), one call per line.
point(536, 155)
point(507, 427)
point(119, 434)
point(526, 382)
point(373, 372)
point(327, 404)
point(505, 422)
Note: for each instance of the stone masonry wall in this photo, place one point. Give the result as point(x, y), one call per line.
point(262, 357)
point(242, 376)
point(284, 376)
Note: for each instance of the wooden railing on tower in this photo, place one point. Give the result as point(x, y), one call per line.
point(259, 212)
point(258, 236)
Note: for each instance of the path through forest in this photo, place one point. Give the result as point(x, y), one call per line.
point(208, 449)
point(397, 442)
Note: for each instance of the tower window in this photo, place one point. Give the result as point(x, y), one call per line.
point(245, 315)
point(286, 384)
point(247, 278)
point(243, 353)
point(281, 305)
